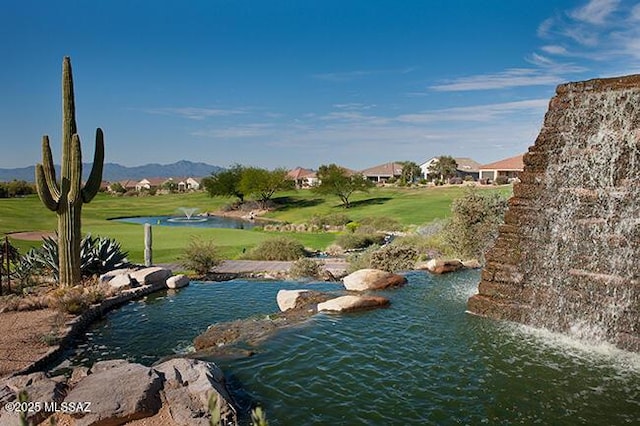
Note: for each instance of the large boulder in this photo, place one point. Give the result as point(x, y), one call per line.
point(108, 276)
point(290, 299)
point(442, 266)
point(152, 275)
point(122, 282)
point(189, 385)
point(118, 394)
point(352, 303)
point(177, 281)
point(372, 279)
point(39, 388)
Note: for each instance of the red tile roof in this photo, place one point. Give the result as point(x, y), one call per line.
point(387, 169)
point(511, 163)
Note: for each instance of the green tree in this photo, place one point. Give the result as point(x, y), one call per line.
point(336, 180)
point(226, 183)
point(411, 172)
point(263, 183)
point(475, 218)
point(443, 168)
point(117, 188)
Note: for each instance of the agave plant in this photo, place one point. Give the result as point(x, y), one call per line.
point(97, 255)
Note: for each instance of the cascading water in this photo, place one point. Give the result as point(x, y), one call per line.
point(567, 257)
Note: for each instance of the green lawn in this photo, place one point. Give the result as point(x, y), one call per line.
point(409, 206)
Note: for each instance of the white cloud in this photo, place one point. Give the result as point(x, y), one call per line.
point(595, 12)
point(513, 77)
point(478, 113)
point(354, 106)
point(353, 75)
point(554, 49)
point(235, 132)
point(193, 113)
point(600, 31)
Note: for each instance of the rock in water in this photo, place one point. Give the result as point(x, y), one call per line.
point(372, 279)
point(352, 303)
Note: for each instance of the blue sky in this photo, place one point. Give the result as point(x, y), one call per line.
point(284, 83)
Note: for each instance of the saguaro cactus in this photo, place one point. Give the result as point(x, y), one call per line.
point(65, 197)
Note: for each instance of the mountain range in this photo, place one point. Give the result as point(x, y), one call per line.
point(113, 172)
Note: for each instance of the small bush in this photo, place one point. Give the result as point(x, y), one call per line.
point(394, 258)
point(474, 223)
point(358, 241)
point(381, 223)
point(361, 260)
point(334, 250)
point(502, 180)
point(278, 248)
point(71, 300)
point(200, 256)
point(305, 268)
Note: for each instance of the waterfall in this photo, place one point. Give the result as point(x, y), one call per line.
point(567, 258)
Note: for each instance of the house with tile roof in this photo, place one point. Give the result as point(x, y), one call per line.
point(465, 167)
point(509, 167)
point(383, 172)
point(303, 178)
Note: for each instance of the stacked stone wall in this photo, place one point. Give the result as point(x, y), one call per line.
point(567, 255)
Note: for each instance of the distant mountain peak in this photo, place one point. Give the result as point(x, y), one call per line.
point(115, 172)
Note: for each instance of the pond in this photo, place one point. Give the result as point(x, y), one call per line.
point(193, 221)
point(421, 361)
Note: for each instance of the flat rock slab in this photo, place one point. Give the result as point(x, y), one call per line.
point(351, 303)
point(118, 395)
point(152, 275)
point(237, 338)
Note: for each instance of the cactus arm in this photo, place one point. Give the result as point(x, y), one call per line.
point(44, 191)
point(92, 186)
point(75, 175)
point(49, 169)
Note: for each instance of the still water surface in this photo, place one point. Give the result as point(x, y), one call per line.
point(420, 361)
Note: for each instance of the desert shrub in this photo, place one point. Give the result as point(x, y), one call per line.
point(277, 248)
point(502, 180)
point(332, 219)
point(200, 256)
point(474, 222)
point(71, 300)
point(361, 260)
point(305, 268)
point(334, 250)
point(426, 247)
point(394, 257)
point(381, 223)
point(75, 300)
point(358, 241)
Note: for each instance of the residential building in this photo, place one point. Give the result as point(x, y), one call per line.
point(509, 167)
point(383, 172)
point(303, 178)
point(465, 167)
